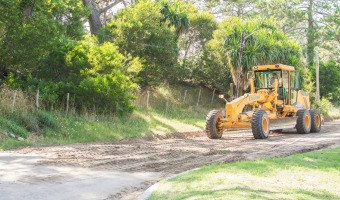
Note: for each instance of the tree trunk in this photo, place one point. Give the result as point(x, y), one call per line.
point(310, 35)
point(239, 84)
point(94, 18)
point(27, 13)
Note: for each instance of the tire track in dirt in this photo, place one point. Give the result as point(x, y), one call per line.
point(172, 154)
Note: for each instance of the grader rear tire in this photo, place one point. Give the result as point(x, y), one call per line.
point(316, 121)
point(260, 124)
point(213, 121)
point(303, 123)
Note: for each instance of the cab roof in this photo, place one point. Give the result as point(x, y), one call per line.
point(273, 67)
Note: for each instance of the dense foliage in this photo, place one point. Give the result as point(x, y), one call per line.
point(329, 80)
point(142, 31)
point(48, 45)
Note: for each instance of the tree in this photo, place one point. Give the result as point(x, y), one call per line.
point(233, 8)
point(192, 44)
point(311, 22)
point(142, 30)
point(329, 80)
point(200, 32)
point(29, 36)
point(241, 44)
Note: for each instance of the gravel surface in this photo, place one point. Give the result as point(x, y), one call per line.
point(142, 162)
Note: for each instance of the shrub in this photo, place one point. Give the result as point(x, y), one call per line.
point(95, 75)
point(11, 127)
point(46, 119)
point(324, 105)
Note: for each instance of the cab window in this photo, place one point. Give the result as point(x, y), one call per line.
point(265, 79)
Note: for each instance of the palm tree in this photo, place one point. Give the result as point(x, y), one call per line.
point(249, 43)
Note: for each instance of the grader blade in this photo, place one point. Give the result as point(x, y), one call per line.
point(282, 123)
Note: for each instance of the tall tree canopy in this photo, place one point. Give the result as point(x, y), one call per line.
point(314, 23)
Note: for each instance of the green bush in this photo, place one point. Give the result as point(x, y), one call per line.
point(105, 76)
point(95, 75)
point(46, 119)
point(27, 121)
point(324, 105)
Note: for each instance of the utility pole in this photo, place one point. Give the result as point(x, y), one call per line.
point(317, 95)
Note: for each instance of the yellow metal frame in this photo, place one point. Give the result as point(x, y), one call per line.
point(273, 67)
point(264, 99)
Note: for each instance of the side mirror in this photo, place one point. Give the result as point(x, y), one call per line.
point(221, 96)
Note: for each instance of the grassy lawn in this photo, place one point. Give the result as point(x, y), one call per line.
point(313, 175)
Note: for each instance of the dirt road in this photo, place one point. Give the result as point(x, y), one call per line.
point(165, 156)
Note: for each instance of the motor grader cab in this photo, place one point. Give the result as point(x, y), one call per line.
point(277, 103)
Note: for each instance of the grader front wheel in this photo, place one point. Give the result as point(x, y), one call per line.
point(260, 124)
point(213, 124)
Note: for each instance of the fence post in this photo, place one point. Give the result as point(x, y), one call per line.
point(67, 102)
point(147, 99)
point(199, 96)
point(212, 99)
point(166, 106)
point(185, 96)
point(37, 99)
point(14, 97)
point(74, 103)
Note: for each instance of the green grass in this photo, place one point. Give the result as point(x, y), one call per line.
point(43, 128)
point(167, 113)
point(313, 175)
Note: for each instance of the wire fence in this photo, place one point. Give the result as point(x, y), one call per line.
point(166, 99)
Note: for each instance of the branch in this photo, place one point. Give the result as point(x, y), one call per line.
point(295, 29)
point(324, 23)
point(322, 13)
point(110, 6)
point(298, 7)
point(291, 30)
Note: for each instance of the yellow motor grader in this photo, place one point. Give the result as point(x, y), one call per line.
point(277, 103)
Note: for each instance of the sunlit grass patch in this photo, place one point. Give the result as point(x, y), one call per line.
point(313, 175)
